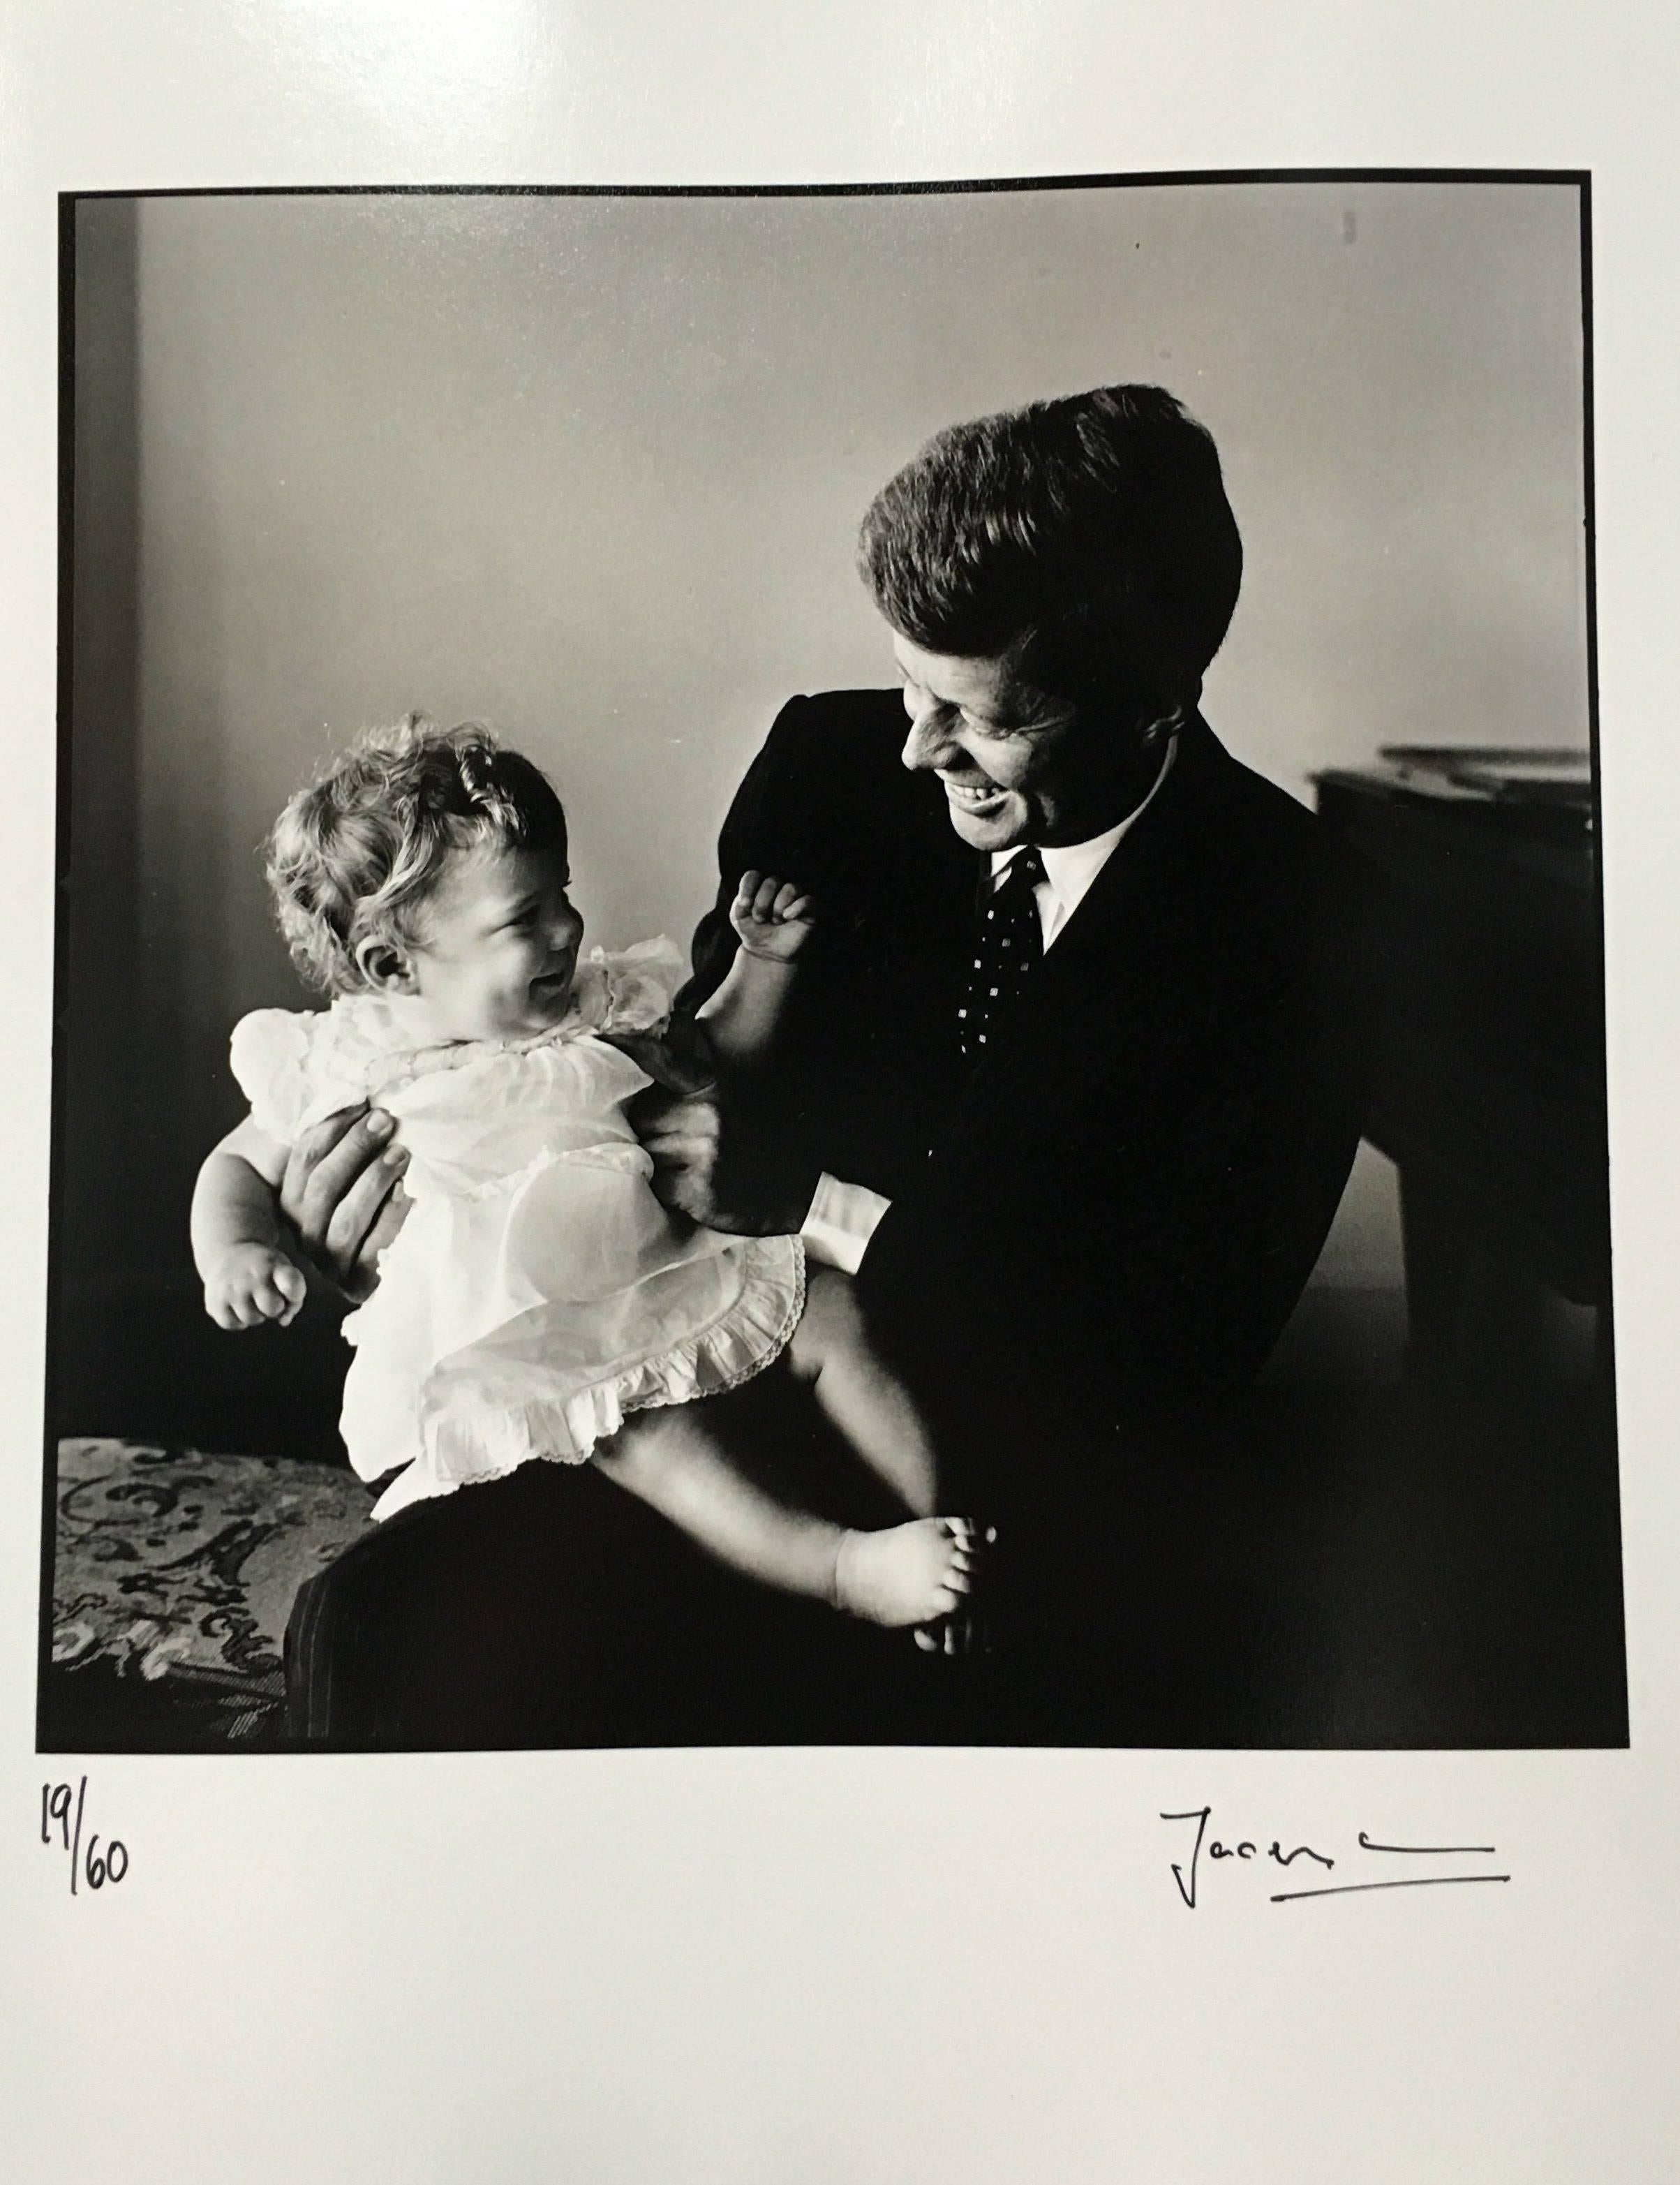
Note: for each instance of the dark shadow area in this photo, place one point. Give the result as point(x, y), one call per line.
point(99, 1132)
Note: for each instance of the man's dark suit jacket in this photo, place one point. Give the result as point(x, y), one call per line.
point(1113, 1214)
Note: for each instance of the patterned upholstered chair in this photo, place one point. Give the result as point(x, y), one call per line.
point(173, 1575)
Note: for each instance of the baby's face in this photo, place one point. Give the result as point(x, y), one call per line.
point(498, 945)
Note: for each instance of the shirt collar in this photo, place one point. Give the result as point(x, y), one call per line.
point(1070, 868)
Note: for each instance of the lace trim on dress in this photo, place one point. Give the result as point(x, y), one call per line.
point(485, 1443)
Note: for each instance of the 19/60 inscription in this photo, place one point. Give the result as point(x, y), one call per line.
point(92, 1866)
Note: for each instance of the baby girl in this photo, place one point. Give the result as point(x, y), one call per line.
point(538, 1301)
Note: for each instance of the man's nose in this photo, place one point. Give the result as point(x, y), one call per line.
point(929, 742)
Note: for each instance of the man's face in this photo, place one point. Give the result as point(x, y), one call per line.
point(1018, 764)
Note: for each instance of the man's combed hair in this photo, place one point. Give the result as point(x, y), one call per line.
point(354, 856)
point(1089, 539)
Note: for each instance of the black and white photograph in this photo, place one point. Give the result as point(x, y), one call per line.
point(830, 972)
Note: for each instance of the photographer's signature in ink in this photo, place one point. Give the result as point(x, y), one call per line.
point(1199, 1845)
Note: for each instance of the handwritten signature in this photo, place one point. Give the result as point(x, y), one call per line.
point(1246, 1850)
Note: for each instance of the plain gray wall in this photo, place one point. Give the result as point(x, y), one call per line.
point(591, 469)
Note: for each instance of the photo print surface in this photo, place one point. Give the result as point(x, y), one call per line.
point(1221, 1330)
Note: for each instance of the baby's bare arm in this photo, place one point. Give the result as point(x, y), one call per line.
point(237, 1235)
point(235, 1199)
point(774, 920)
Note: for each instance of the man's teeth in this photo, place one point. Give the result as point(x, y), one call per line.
point(970, 793)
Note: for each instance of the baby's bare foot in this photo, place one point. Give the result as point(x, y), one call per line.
point(913, 1573)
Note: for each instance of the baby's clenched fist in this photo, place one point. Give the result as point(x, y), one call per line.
point(773, 918)
point(251, 1283)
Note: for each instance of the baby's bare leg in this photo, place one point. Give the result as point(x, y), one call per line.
point(677, 1462)
point(674, 1461)
point(858, 1391)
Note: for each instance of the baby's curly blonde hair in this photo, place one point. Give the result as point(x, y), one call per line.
point(354, 856)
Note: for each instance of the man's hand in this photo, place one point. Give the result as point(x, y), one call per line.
point(249, 1284)
point(341, 1193)
point(701, 1169)
point(773, 918)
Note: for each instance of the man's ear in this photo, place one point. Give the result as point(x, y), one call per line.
point(1157, 732)
point(384, 965)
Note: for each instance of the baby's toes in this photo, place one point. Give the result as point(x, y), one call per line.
point(936, 1635)
point(957, 1559)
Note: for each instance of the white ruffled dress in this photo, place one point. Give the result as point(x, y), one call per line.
point(538, 1290)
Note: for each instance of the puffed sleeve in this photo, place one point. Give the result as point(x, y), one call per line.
point(642, 983)
point(270, 1051)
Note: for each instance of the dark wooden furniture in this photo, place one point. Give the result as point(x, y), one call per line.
point(1488, 1085)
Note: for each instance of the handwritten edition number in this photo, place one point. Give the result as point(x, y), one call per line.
point(96, 1868)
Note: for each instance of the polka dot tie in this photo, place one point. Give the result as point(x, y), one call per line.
point(1009, 940)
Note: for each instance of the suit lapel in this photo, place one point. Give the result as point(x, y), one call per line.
point(927, 909)
point(1102, 979)
point(937, 865)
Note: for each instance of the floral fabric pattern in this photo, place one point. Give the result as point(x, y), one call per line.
point(177, 1570)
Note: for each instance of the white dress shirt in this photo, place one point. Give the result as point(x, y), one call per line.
point(844, 1216)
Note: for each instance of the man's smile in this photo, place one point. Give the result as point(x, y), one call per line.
point(972, 795)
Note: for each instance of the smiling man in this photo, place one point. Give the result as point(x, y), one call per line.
point(1115, 1115)
point(1074, 1088)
